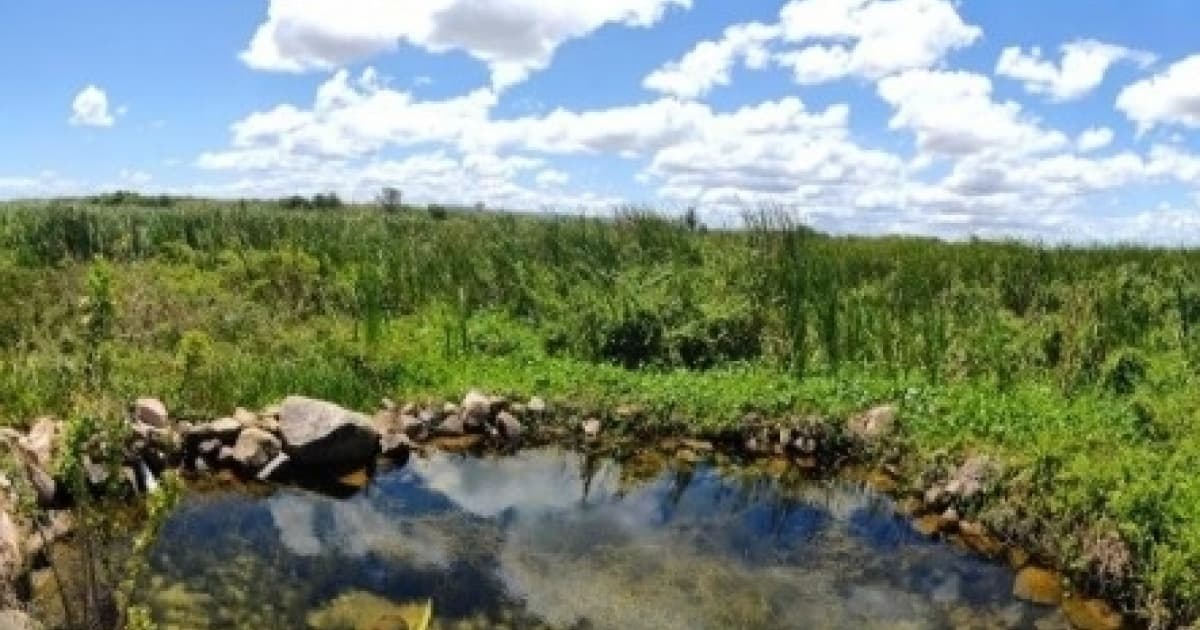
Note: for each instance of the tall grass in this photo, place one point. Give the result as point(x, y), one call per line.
point(640, 289)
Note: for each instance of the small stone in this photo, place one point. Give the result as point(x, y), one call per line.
point(357, 479)
point(210, 447)
point(874, 424)
point(536, 405)
point(273, 466)
point(777, 467)
point(255, 448)
point(270, 424)
point(150, 411)
point(225, 429)
point(396, 445)
point(451, 426)
point(449, 408)
point(972, 476)
point(977, 538)
point(1017, 557)
point(476, 407)
point(245, 417)
point(509, 425)
point(44, 485)
point(226, 456)
point(591, 428)
point(1039, 586)
point(882, 482)
point(97, 473)
point(1091, 614)
point(929, 525)
point(700, 446)
point(496, 404)
point(43, 441)
point(950, 516)
point(388, 404)
point(413, 427)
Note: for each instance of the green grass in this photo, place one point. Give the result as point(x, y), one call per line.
point(1076, 366)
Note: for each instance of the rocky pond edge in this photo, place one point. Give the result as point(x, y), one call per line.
point(305, 440)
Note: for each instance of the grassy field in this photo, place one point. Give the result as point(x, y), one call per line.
point(1078, 367)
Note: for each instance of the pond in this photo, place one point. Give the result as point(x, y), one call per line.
point(554, 539)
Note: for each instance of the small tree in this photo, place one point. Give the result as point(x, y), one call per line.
point(326, 201)
point(390, 198)
point(691, 220)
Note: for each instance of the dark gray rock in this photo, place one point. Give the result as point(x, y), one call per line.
point(319, 433)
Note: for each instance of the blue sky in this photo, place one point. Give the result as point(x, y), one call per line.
point(1074, 119)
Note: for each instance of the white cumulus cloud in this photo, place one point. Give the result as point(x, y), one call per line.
point(870, 38)
point(953, 114)
point(1084, 64)
point(1172, 97)
point(513, 37)
point(1094, 138)
point(711, 63)
point(90, 108)
point(552, 178)
point(824, 40)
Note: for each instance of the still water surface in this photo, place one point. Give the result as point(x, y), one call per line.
point(551, 539)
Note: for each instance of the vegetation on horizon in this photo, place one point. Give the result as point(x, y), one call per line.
point(1076, 365)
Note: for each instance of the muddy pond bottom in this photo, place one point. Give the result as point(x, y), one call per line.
point(554, 539)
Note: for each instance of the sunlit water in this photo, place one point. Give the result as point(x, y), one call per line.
point(549, 539)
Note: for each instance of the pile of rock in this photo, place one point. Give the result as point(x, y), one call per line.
point(808, 439)
point(478, 418)
point(311, 435)
point(300, 432)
